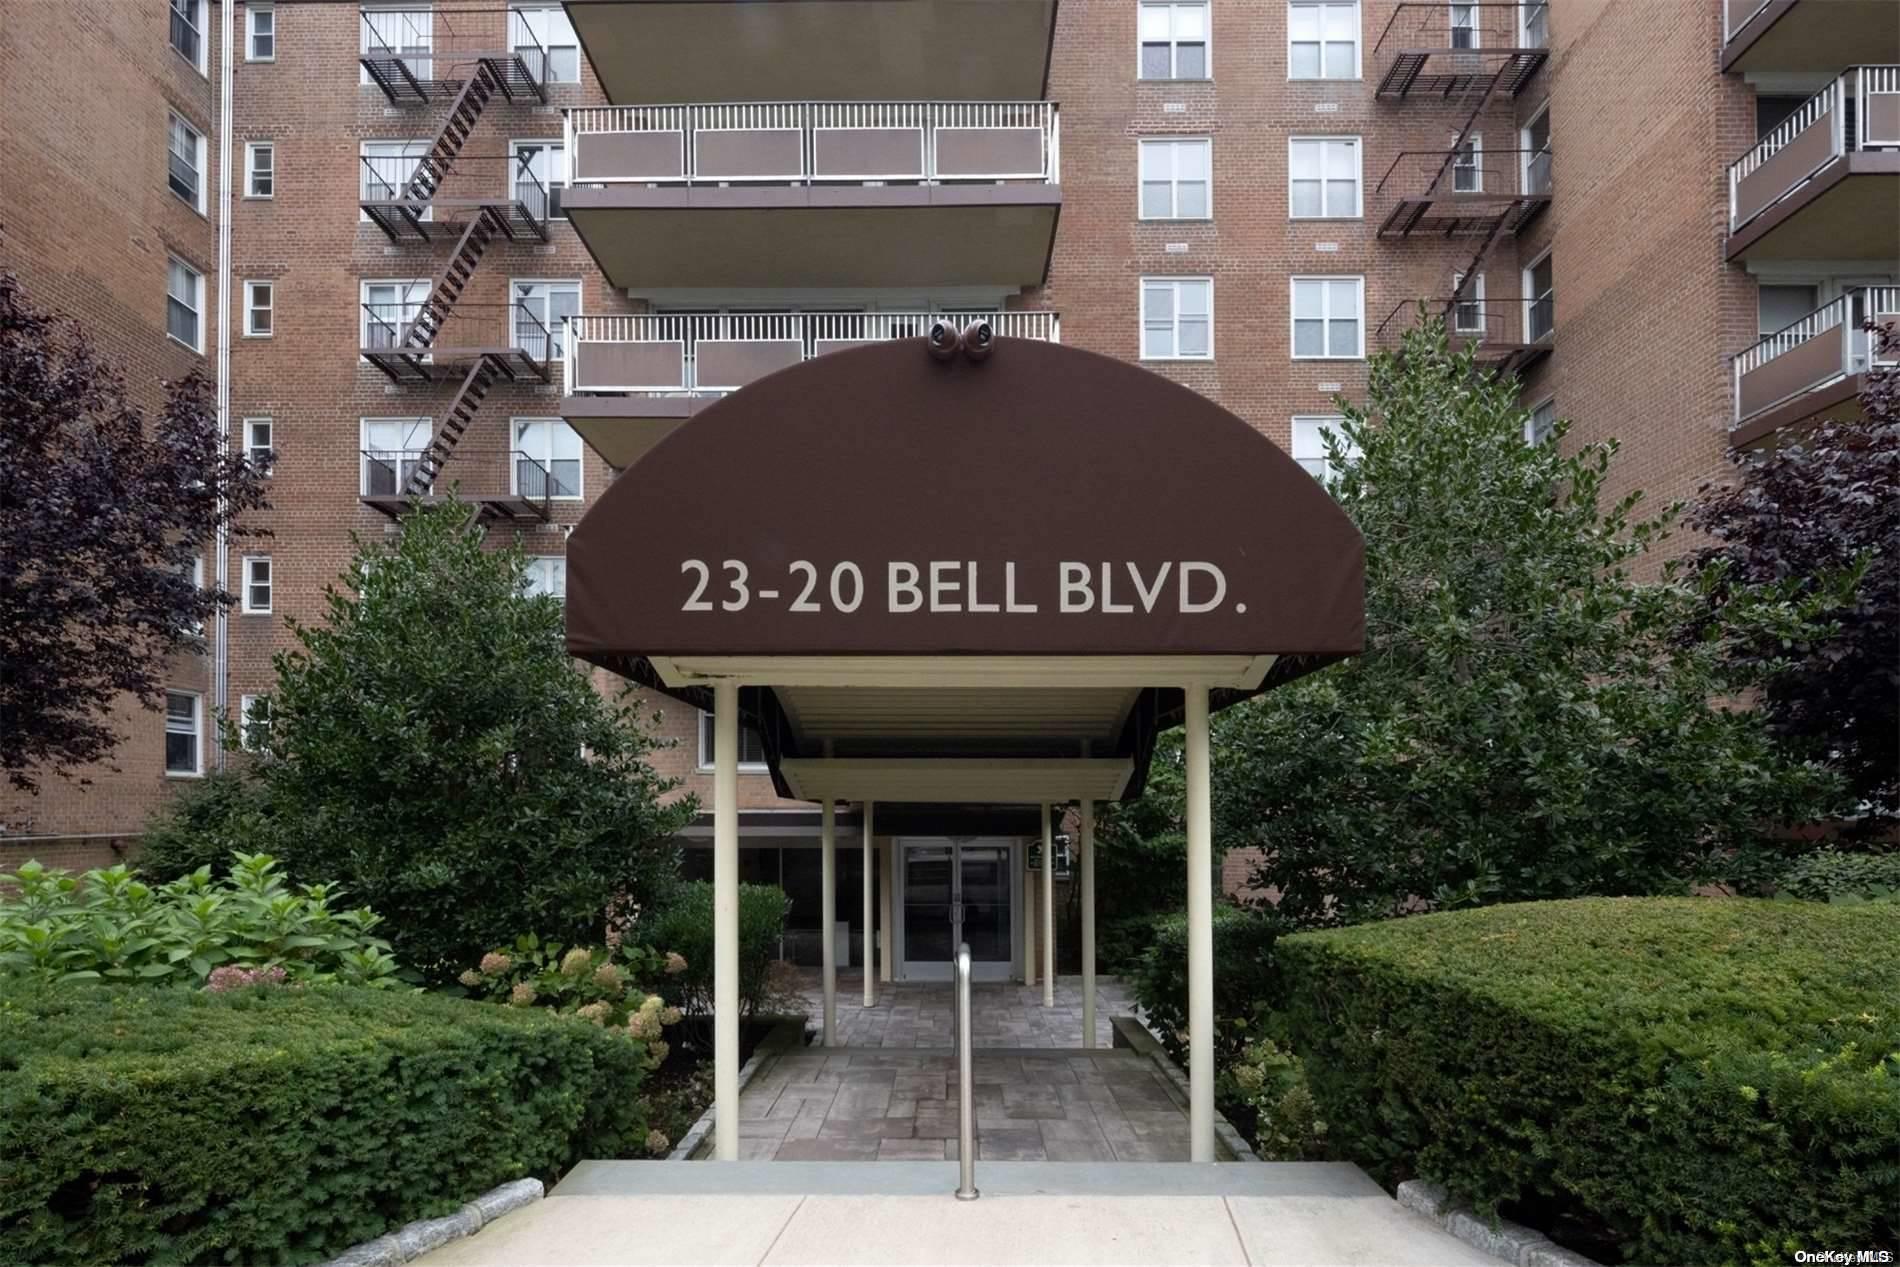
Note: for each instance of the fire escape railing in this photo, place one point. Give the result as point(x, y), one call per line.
point(401, 339)
point(417, 55)
point(501, 483)
point(414, 200)
point(1451, 192)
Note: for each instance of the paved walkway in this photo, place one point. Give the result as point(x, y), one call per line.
point(1002, 1014)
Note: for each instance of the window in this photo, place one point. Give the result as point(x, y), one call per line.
point(257, 585)
point(260, 169)
point(1467, 315)
point(1174, 179)
point(1464, 26)
point(540, 175)
point(552, 453)
point(196, 575)
point(1327, 314)
point(1174, 40)
point(258, 300)
point(184, 757)
point(540, 312)
point(545, 39)
point(1177, 318)
point(389, 307)
point(1309, 445)
point(260, 25)
point(184, 170)
point(392, 449)
point(1780, 306)
point(187, 31)
point(386, 170)
point(408, 34)
point(1535, 142)
point(751, 747)
point(546, 574)
point(253, 722)
point(1323, 178)
point(1467, 167)
point(184, 301)
point(1540, 300)
point(257, 447)
point(1543, 420)
point(1322, 39)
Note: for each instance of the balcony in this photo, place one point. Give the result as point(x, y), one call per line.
point(630, 380)
point(1824, 184)
point(1505, 335)
point(1461, 193)
point(779, 194)
point(1807, 35)
point(1434, 51)
point(503, 485)
point(1813, 368)
point(419, 200)
point(399, 340)
point(425, 55)
point(650, 51)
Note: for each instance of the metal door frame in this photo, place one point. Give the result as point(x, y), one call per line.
point(905, 969)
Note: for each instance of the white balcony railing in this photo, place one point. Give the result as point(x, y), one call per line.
point(1829, 344)
point(714, 353)
point(816, 142)
point(1857, 111)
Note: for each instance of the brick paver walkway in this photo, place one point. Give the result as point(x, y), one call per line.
point(1002, 1014)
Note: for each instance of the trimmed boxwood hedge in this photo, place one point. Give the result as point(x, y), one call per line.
point(1708, 1080)
point(282, 1125)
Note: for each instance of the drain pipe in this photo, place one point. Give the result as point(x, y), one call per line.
point(966, 1084)
point(221, 639)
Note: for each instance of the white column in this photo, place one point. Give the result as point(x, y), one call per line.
point(828, 914)
point(887, 871)
point(1029, 920)
point(870, 913)
point(1088, 922)
point(726, 920)
point(1200, 905)
point(1048, 910)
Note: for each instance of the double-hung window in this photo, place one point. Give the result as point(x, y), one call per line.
point(260, 169)
point(1329, 318)
point(1467, 315)
point(546, 574)
point(544, 39)
point(1309, 445)
point(751, 747)
point(1467, 167)
point(541, 310)
point(405, 33)
point(184, 303)
point(546, 445)
point(1542, 421)
point(184, 734)
point(257, 444)
point(260, 32)
point(196, 575)
point(1535, 142)
point(1177, 318)
point(539, 173)
point(254, 722)
point(1323, 178)
point(1174, 39)
point(1322, 39)
point(257, 585)
point(392, 449)
point(1540, 300)
point(260, 316)
point(389, 307)
point(387, 168)
point(187, 31)
point(185, 163)
point(1175, 178)
point(1464, 26)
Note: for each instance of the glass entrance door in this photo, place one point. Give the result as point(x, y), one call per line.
point(952, 888)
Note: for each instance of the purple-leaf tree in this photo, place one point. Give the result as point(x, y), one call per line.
point(108, 519)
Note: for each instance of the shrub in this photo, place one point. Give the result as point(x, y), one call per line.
point(1703, 1080)
point(282, 1125)
point(611, 986)
point(1267, 1085)
point(1243, 976)
point(1831, 875)
point(683, 924)
point(109, 925)
point(203, 826)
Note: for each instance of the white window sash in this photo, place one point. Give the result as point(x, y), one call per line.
point(1327, 318)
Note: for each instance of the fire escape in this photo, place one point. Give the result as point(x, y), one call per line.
point(1469, 57)
point(447, 194)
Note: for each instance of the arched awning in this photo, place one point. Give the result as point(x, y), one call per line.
point(1001, 567)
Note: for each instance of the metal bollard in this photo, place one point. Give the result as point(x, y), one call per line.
point(966, 1084)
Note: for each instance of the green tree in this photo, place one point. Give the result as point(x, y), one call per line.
point(433, 748)
point(1528, 719)
point(1141, 859)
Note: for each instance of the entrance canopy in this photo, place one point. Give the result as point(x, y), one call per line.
point(982, 579)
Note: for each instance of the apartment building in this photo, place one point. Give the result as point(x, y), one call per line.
point(510, 246)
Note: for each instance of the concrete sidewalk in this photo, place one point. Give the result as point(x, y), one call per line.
point(1311, 1214)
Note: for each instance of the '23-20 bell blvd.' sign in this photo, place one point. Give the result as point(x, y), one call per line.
point(940, 586)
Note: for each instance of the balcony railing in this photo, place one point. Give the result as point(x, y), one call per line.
point(714, 353)
point(1858, 111)
point(1828, 345)
point(501, 483)
point(816, 142)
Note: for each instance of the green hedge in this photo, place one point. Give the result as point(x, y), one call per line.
point(1244, 976)
point(282, 1125)
point(1704, 1080)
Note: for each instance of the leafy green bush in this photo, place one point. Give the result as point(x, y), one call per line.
point(1702, 1080)
point(1266, 1085)
point(610, 986)
point(1244, 975)
point(109, 925)
point(283, 1125)
point(683, 923)
point(1831, 875)
point(207, 822)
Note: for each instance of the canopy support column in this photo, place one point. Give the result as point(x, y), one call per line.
point(870, 912)
point(1200, 905)
point(887, 871)
point(828, 913)
point(1029, 920)
point(1087, 862)
point(1048, 910)
point(726, 919)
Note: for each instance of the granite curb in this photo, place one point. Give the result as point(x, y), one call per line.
point(413, 1240)
point(1512, 1242)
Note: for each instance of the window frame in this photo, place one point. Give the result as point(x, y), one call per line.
point(1326, 474)
point(1326, 317)
point(1207, 42)
point(1530, 419)
point(253, 11)
point(1358, 42)
point(515, 445)
point(251, 171)
point(516, 10)
point(1358, 174)
point(1476, 294)
point(196, 305)
point(247, 584)
point(421, 148)
point(1451, 25)
point(547, 306)
point(704, 750)
point(1141, 311)
point(1476, 142)
point(1526, 156)
point(251, 308)
point(247, 704)
point(197, 733)
point(197, 627)
point(174, 120)
point(416, 423)
point(561, 560)
point(549, 146)
point(422, 62)
point(251, 447)
point(1174, 181)
point(363, 302)
point(1530, 300)
point(202, 62)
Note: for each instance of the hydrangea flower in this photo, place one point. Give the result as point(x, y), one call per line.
point(595, 1012)
point(575, 961)
point(230, 976)
point(643, 1024)
point(670, 1016)
point(494, 963)
point(657, 1142)
point(521, 995)
point(470, 978)
point(607, 976)
point(675, 963)
point(656, 1053)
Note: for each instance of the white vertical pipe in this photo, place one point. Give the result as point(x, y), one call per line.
point(221, 622)
point(1048, 910)
point(870, 912)
point(1200, 905)
point(1088, 922)
point(828, 914)
point(726, 920)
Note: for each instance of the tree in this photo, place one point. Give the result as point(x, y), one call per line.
point(1808, 507)
point(1526, 721)
point(1141, 858)
point(432, 747)
point(102, 543)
